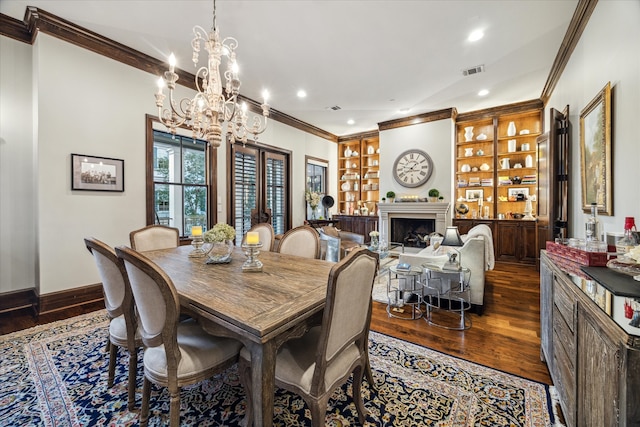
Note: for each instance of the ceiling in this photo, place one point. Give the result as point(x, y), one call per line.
point(371, 58)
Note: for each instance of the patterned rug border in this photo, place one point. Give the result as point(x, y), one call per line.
point(90, 321)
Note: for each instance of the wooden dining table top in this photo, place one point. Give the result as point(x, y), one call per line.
point(257, 305)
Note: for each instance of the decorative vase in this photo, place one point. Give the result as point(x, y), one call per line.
point(511, 129)
point(313, 212)
point(468, 133)
point(375, 243)
point(468, 152)
point(220, 252)
point(528, 161)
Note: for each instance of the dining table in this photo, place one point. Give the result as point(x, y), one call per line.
point(260, 309)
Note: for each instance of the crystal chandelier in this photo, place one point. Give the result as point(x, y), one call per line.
point(210, 108)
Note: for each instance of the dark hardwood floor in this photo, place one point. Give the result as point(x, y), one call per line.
point(505, 337)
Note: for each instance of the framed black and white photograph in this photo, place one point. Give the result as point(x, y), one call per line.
point(514, 192)
point(96, 173)
point(474, 195)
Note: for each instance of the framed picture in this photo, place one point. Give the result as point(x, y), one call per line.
point(474, 195)
point(513, 192)
point(595, 153)
point(96, 173)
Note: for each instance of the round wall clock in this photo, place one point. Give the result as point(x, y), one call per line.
point(412, 168)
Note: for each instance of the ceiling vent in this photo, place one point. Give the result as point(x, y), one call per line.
point(473, 70)
point(336, 108)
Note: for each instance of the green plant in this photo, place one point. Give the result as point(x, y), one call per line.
point(391, 195)
point(434, 193)
point(441, 198)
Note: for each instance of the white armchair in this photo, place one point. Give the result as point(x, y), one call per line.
point(476, 254)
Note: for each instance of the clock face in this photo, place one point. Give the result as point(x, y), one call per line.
point(412, 168)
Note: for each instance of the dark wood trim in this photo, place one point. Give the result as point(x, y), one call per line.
point(432, 116)
point(579, 21)
point(74, 297)
point(12, 28)
point(487, 113)
point(359, 136)
point(39, 20)
point(17, 300)
point(211, 156)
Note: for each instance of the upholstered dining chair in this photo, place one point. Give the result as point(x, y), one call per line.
point(325, 357)
point(118, 300)
point(265, 230)
point(301, 241)
point(176, 353)
point(154, 237)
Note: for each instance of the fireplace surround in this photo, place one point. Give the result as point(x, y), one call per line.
point(438, 212)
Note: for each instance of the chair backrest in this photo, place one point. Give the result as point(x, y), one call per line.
point(156, 300)
point(347, 312)
point(154, 237)
point(329, 247)
point(301, 241)
point(117, 294)
point(266, 235)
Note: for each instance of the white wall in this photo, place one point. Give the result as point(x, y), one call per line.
point(608, 51)
point(87, 104)
point(17, 194)
point(436, 139)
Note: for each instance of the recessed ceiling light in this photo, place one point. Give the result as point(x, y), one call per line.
point(404, 110)
point(301, 94)
point(350, 121)
point(483, 92)
point(476, 35)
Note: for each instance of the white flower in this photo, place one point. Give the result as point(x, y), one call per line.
point(313, 198)
point(219, 233)
point(374, 233)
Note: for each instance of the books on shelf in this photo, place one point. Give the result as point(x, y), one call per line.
point(486, 182)
point(474, 181)
point(504, 180)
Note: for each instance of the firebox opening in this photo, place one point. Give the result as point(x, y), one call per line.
point(412, 231)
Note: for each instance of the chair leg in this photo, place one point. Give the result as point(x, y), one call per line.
point(174, 410)
point(133, 368)
point(146, 395)
point(369, 374)
point(318, 410)
point(357, 394)
point(113, 353)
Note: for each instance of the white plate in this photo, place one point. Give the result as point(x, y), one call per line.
point(345, 186)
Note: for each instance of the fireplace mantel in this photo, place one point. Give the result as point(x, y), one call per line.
point(426, 210)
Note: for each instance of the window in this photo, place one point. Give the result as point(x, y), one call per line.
point(316, 181)
point(260, 190)
point(179, 190)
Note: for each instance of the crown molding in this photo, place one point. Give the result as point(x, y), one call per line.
point(38, 20)
point(517, 107)
point(577, 25)
point(447, 113)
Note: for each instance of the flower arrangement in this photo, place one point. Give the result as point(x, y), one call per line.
point(374, 233)
point(313, 198)
point(220, 233)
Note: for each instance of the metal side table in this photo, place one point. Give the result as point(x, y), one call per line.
point(404, 293)
point(447, 292)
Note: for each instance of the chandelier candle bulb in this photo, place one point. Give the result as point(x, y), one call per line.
point(253, 237)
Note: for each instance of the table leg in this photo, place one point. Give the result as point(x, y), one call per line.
point(263, 364)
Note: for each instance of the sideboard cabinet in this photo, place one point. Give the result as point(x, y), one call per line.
point(359, 224)
point(593, 359)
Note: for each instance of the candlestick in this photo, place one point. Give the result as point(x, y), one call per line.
point(252, 264)
point(253, 237)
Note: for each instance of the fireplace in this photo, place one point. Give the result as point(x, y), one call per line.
point(419, 213)
point(411, 231)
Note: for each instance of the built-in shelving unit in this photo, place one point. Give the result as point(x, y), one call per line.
point(359, 174)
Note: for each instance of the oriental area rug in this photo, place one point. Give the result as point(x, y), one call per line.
point(56, 375)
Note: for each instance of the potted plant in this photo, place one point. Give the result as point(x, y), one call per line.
point(441, 199)
point(391, 195)
point(384, 199)
point(433, 195)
